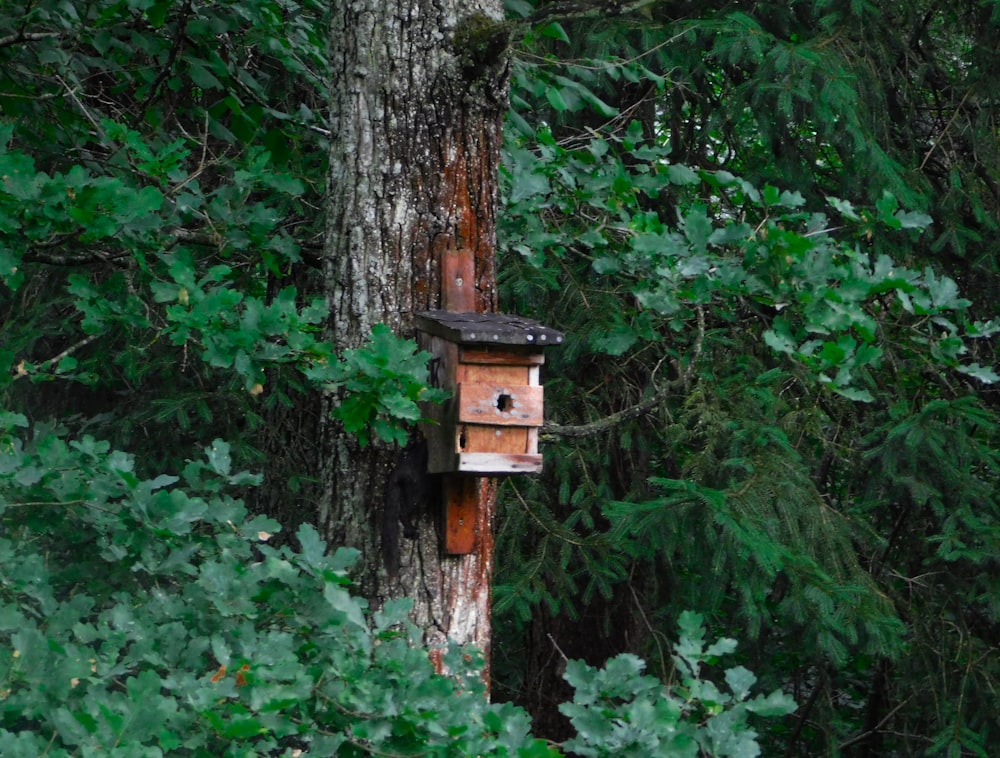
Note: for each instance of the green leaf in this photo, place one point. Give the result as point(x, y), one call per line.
point(554, 31)
point(202, 77)
point(312, 548)
point(606, 265)
point(985, 374)
point(555, 97)
point(853, 393)
point(340, 600)
point(913, 220)
point(682, 175)
point(698, 228)
point(401, 407)
point(218, 457)
point(740, 681)
point(844, 208)
point(243, 728)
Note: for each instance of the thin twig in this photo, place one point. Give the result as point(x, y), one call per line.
point(558, 649)
point(874, 729)
point(649, 626)
point(545, 527)
point(927, 155)
point(83, 109)
point(570, 63)
point(57, 358)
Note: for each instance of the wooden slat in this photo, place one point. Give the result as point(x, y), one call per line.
point(498, 464)
point(500, 405)
point(461, 501)
point(501, 357)
point(481, 373)
point(477, 438)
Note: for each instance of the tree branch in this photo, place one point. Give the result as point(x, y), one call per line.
point(20, 371)
point(13, 39)
point(41, 255)
point(571, 10)
point(552, 431)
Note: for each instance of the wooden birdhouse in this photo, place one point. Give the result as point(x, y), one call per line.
point(490, 364)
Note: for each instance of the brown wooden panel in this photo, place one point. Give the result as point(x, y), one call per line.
point(475, 438)
point(461, 501)
point(490, 374)
point(458, 280)
point(500, 405)
point(501, 357)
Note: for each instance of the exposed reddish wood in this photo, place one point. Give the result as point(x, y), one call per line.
point(461, 509)
point(458, 271)
point(468, 191)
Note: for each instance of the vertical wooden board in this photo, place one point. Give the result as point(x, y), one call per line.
point(461, 495)
point(443, 362)
point(458, 280)
point(532, 441)
point(440, 432)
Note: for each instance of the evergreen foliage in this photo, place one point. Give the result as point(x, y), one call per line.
point(769, 232)
point(775, 402)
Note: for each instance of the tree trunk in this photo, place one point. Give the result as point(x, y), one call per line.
point(416, 129)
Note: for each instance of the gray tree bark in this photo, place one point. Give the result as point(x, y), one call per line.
point(418, 95)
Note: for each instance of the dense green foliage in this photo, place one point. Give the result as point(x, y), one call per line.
point(147, 617)
point(769, 232)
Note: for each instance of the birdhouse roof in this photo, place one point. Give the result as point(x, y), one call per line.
point(487, 329)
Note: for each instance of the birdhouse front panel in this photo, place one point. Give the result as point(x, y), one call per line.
point(490, 424)
point(499, 405)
